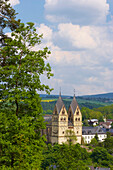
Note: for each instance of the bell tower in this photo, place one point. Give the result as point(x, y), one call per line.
point(75, 119)
point(59, 122)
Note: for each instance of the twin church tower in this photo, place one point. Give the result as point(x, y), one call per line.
point(61, 121)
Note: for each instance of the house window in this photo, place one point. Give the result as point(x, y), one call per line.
point(85, 137)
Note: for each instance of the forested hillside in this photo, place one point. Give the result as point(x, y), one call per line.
point(90, 107)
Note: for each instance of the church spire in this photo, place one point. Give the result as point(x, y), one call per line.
point(60, 92)
point(74, 92)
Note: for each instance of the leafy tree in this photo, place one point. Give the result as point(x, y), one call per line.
point(96, 137)
point(102, 157)
point(20, 71)
point(20, 146)
point(108, 134)
point(108, 144)
point(66, 157)
point(85, 122)
point(94, 142)
point(21, 122)
point(112, 125)
point(70, 136)
point(7, 19)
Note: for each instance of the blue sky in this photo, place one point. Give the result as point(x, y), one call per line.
point(80, 37)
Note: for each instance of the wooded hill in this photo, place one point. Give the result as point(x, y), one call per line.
point(93, 106)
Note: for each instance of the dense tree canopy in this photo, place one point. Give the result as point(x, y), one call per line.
point(21, 121)
point(20, 71)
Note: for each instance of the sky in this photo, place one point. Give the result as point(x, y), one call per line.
point(79, 35)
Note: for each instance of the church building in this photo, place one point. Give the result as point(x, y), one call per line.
point(63, 120)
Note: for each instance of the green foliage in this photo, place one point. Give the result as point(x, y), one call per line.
point(21, 120)
point(112, 125)
point(65, 157)
point(108, 144)
point(101, 157)
point(20, 71)
point(70, 136)
point(107, 111)
point(7, 19)
point(85, 122)
point(96, 137)
point(94, 142)
point(20, 145)
point(91, 114)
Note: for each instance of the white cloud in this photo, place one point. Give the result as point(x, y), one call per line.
point(46, 31)
point(77, 12)
point(81, 57)
point(14, 2)
point(76, 37)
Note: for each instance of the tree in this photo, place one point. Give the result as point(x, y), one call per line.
point(20, 146)
point(20, 71)
point(70, 136)
point(7, 19)
point(94, 142)
point(102, 157)
point(85, 122)
point(108, 144)
point(96, 137)
point(21, 121)
point(112, 125)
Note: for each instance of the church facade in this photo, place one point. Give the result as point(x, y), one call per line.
point(62, 121)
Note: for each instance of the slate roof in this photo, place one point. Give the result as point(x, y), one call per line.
point(48, 119)
point(59, 104)
point(86, 130)
point(74, 104)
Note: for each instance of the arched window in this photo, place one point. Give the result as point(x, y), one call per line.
point(76, 119)
point(63, 112)
point(61, 119)
point(64, 119)
point(77, 113)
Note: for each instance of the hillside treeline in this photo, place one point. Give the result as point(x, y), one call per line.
point(89, 111)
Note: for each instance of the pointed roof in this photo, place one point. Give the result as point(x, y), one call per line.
point(59, 104)
point(74, 104)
